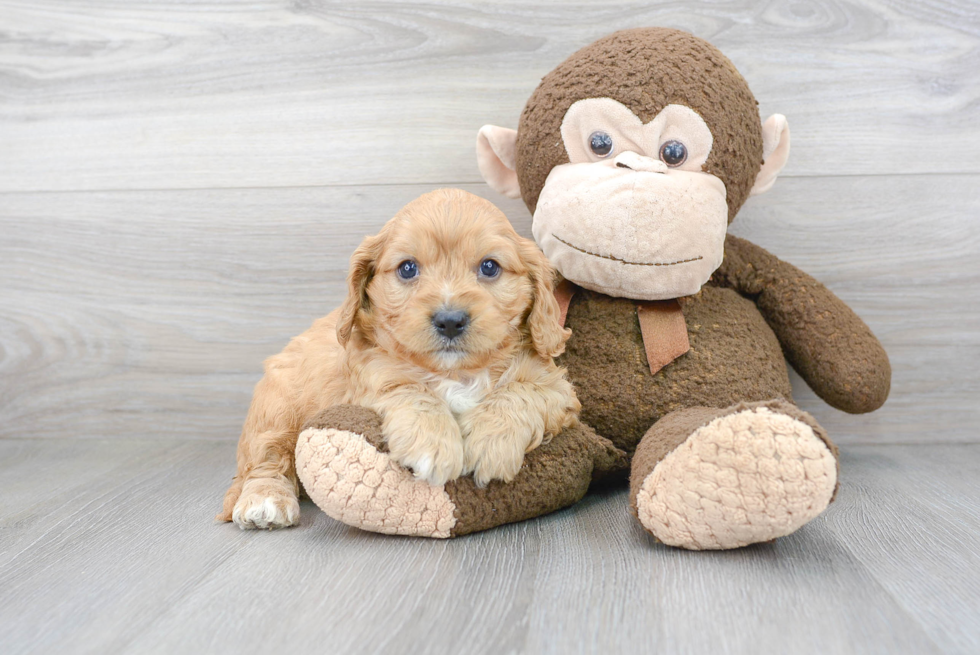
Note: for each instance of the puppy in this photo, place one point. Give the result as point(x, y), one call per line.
point(448, 332)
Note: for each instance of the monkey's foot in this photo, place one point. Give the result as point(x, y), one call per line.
point(343, 463)
point(747, 474)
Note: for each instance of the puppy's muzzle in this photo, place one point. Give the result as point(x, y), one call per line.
point(450, 324)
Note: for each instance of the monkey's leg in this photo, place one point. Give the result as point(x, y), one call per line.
point(706, 478)
point(342, 462)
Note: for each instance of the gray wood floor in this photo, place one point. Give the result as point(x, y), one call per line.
point(181, 185)
point(108, 546)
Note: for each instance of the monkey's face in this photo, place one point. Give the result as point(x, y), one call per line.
point(633, 155)
point(632, 214)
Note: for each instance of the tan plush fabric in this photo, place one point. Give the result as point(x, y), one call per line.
point(630, 135)
point(662, 438)
point(775, 152)
point(632, 233)
point(646, 69)
point(627, 224)
point(751, 474)
point(342, 463)
point(495, 157)
point(353, 482)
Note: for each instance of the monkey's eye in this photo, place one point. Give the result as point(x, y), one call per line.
point(601, 144)
point(489, 268)
point(673, 153)
point(408, 269)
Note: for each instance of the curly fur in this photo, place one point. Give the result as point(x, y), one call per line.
point(475, 406)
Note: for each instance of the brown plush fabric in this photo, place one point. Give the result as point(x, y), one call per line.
point(554, 475)
point(646, 69)
point(352, 418)
point(824, 340)
point(674, 429)
point(661, 439)
point(734, 357)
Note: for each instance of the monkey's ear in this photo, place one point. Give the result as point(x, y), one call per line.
point(496, 155)
point(775, 152)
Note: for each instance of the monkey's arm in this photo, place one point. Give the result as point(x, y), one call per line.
point(824, 340)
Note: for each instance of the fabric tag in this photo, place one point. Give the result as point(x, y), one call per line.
point(564, 293)
point(661, 324)
point(664, 332)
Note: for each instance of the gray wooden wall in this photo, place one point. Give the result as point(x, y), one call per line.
point(181, 184)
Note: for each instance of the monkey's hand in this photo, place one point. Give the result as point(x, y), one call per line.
point(825, 341)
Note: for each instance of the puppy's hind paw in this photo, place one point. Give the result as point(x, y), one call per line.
point(265, 505)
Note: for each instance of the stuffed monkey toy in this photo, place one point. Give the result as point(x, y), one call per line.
point(633, 156)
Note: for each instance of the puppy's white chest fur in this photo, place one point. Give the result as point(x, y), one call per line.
point(461, 394)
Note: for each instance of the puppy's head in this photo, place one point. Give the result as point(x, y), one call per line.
point(449, 285)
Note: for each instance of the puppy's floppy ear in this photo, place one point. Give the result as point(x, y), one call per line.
point(544, 320)
point(362, 267)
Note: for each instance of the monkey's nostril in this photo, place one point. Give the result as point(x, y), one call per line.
point(450, 323)
point(634, 161)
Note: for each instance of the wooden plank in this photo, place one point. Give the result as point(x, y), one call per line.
point(910, 515)
point(36, 478)
point(126, 94)
point(133, 563)
point(90, 564)
point(901, 252)
point(149, 313)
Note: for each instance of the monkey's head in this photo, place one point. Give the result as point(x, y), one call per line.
point(633, 156)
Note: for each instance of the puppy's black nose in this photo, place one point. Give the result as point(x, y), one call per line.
point(450, 324)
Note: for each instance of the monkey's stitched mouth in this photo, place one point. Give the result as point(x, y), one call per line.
point(625, 261)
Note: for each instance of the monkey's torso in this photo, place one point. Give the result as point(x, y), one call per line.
point(734, 357)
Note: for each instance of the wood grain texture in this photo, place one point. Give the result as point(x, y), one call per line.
point(149, 313)
point(137, 94)
point(120, 554)
point(181, 185)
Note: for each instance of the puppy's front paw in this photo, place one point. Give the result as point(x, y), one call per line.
point(493, 455)
point(266, 504)
point(429, 443)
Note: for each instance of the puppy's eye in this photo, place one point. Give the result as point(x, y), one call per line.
point(601, 144)
point(489, 268)
point(673, 153)
point(408, 269)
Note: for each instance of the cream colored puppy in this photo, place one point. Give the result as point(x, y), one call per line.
point(448, 332)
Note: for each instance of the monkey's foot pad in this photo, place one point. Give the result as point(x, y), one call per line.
point(355, 483)
point(743, 478)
